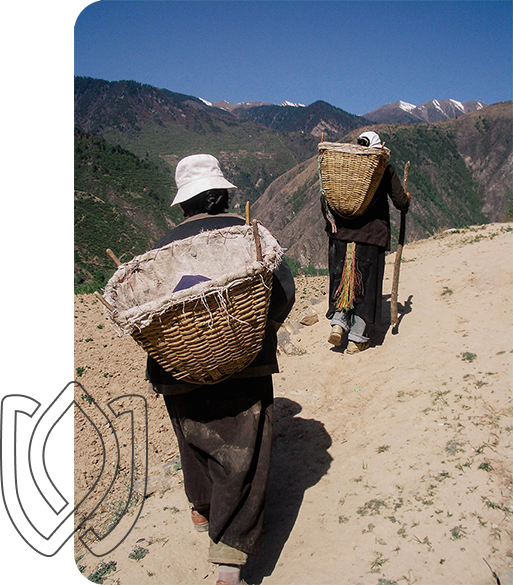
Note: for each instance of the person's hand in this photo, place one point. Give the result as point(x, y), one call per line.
point(408, 195)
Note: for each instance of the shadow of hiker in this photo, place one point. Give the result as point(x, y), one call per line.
point(300, 458)
point(378, 331)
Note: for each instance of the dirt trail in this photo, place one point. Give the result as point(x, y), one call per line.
point(390, 467)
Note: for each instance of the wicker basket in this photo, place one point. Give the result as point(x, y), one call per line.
point(349, 175)
point(215, 328)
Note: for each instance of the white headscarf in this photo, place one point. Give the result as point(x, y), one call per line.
point(373, 138)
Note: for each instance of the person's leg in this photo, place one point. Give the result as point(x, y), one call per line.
point(225, 434)
point(197, 481)
point(357, 330)
point(343, 319)
point(336, 260)
point(370, 262)
point(229, 561)
point(240, 447)
point(339, 319)
point(357, 339)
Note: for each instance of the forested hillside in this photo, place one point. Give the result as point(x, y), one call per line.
point(129, 138)
point(121, 202)
point(161, 126)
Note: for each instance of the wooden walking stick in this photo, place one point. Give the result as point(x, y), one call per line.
point(397, 264)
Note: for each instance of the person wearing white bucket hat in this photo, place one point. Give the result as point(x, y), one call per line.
point(198, 173)
point(224, 430)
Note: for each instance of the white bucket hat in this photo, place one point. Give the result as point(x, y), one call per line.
point(197, 173)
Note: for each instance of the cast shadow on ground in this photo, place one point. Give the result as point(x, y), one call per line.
point(378, 331)
point(382, 328)
point(300, 459)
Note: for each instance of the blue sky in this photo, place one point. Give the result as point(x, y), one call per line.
point(354, 55)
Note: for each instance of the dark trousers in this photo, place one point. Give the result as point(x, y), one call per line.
point(370, 263)
point(224, 434)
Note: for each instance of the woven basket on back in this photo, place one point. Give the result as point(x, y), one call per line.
point(215, 328)
point(349, 175)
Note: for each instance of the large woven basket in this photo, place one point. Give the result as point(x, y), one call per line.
point(349, 175)
point(215, 328)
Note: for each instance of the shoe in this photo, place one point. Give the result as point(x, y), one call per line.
point(335, 337)
point(356, 346)
point(199, 521)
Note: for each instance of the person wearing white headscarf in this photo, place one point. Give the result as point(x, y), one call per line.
point(370, 139)
point(365, 239)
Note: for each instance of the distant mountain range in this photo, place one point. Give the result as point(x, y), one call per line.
point(224, 105)
point(130, 137)
point(433, 111)
point(317, 119)
point(399, 112)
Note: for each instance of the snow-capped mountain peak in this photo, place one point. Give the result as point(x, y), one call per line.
point(286, 103)
point(406, 106)
point(459, 105)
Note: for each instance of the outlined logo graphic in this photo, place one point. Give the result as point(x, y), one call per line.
point(40, 511)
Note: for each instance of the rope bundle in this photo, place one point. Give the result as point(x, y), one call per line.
point(350, 286)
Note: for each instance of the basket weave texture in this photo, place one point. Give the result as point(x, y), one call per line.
point(205, 333)
point(349, 175)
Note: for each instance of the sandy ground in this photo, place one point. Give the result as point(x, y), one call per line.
point(390, 467)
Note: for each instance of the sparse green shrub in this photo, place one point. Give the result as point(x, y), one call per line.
point(138, 553)
point(103, 569)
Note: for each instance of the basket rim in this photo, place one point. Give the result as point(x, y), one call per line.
point(349, 148)
point(127, 320)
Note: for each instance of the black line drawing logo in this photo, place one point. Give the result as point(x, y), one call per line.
point(40, 513)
